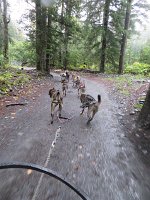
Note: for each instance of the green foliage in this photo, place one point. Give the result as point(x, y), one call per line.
point(138, 51)
point(125, 92)
point(145, 54)
point(21, 80)
point(138, 106)
point(22, 52)
point(138, 68)
point(5, 81)
point(64, 35)
point(77, 55)
point(14, 33)
point(11, 77)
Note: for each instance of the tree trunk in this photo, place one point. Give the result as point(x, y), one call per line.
point(62, 36)
point(124, 36)
point(67, 27)
point(5, 35)
point(144, 116)
point(65, 61)
point(38, 34)
point(43, 38)
point(48, 52)
point(104, 35)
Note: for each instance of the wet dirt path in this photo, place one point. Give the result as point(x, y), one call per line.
point(97, 158)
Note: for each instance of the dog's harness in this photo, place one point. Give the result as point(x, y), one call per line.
point(57, 102)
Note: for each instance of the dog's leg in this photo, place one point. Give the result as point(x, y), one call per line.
point(73, 83)
point(59, 110)
point(63, 91)
point(91, 113)
point(82, 111)
point(52, 115)
point(52, 112)
point(90, 118)
point(78, 92)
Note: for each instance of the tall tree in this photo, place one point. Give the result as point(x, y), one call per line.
point(66, 35)
point(43, 38)
point(61, 36)
point(124, 36)
point(49, 40)
point(71, 12)
point(38, 34)
point(5, 35)
point(104, 35)
point(104, 26)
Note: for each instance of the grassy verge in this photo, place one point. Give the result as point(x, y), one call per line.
point(12, 77)
point(131, 86)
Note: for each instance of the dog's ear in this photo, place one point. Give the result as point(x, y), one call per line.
point(50, 92)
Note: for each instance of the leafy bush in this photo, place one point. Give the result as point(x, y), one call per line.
point(22, 79)
point(11, 78)
point(22, 52)
point(144, 54)
point(82, 67)
point(138, 68)
point(5, 81)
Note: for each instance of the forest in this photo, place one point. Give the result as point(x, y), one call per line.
point(75, 99)
point(105, 36)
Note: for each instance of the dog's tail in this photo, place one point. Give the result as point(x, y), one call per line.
point(99, 98)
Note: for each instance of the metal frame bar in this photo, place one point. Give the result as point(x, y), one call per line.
point(22, 165)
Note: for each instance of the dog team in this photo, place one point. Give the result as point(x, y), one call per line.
point(87, 100)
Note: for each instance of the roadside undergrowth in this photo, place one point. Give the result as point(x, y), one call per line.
point(130, 93)
point(11, 78)
point(131, 87)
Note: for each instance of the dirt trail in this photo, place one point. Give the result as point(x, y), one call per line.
point(97, 158)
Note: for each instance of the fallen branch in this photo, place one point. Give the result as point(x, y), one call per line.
point(16, 104)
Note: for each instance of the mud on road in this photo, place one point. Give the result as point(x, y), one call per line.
point(97, 158)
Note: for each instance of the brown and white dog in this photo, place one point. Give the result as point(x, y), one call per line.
point(64, 87)
point(89, 102)
point(73, 79)
point(64, 82)
point(56, 100)
point(65, 76)
point(77, 82)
